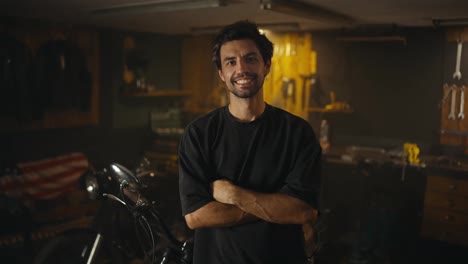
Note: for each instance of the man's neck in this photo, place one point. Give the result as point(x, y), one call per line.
point(246, 110)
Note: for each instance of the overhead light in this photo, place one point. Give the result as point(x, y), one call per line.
point(205, 30)
point(462, 21)
point(158, 6)
point(276, 27)
point(280, 27)
point(309, 11)
point(373, 33)
point(373, 39)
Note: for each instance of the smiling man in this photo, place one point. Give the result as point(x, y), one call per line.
point(249, 173)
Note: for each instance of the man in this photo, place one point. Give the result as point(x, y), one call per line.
point(248, 172)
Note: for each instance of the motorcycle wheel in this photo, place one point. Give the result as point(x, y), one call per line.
point(72, 247)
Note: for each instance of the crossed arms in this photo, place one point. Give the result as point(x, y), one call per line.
point(234, 205)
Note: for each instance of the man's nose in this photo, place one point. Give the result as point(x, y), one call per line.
point(242, 66)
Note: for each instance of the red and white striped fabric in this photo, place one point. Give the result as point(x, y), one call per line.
point(47, 178)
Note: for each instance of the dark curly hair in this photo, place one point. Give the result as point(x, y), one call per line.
point(242, 30)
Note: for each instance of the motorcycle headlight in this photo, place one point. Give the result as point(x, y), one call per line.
point(92, 186)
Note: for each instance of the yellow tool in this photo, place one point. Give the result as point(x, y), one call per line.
point(411, 151)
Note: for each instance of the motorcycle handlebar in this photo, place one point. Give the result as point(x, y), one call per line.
point(144, 207)
point(132, 193)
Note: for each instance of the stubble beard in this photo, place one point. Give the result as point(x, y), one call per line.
point(246, 92)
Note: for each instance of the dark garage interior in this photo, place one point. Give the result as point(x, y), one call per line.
point(131, 76)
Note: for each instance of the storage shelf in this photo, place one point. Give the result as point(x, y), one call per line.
point(325, 110)
point(159, 93)
point(161, 156)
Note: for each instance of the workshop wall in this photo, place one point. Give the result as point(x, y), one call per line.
point(162, 56)
point(393, 87)
point(293, 64)
point(120, 132)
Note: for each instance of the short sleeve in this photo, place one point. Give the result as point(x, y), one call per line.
point(303, 180)
point(193, 173)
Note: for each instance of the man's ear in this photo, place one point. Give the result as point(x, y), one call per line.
point(267, 68)
point(220, 73)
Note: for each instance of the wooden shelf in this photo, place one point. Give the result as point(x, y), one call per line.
point(161, 156)
point(325, 110)
point(159, 93)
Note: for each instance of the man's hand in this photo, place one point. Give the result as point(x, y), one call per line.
point(224, 191)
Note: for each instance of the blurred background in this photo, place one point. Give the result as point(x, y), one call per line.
point(87, 83)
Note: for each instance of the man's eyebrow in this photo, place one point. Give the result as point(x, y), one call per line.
point(246, 55)
point(250, 54)
point(229, 58)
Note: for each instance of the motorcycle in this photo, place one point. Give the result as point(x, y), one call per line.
point(126, 202)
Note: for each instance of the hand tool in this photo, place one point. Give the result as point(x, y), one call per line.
point(447, 91)
point(306, 83)
point(461, 113)
point(457, 73)
point(452, 104)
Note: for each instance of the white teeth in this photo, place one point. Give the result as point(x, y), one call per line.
point(243, 81)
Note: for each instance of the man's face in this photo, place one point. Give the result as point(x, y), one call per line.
point(242, 68)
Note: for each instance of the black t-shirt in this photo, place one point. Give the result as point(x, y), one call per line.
point(278, 152)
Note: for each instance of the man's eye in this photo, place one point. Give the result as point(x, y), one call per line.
point(252, 59)
point(231, 62)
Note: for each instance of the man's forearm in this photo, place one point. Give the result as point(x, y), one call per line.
point(271, 207)
point(216, 214)
point(275, 207)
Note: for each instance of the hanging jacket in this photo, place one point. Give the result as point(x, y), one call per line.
point(61, 78)
point(15, 66)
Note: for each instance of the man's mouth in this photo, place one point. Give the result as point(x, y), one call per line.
point(245, 80)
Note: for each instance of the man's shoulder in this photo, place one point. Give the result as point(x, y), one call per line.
point(287, 116)
point(205, 120)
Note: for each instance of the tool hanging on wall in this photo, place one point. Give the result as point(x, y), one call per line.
point(447, 91)
point(461, 113)
point(454, 127)
point(457, 74)
point(453, 90)
point(288, 89)
point(306, 84)
point(316, 93)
